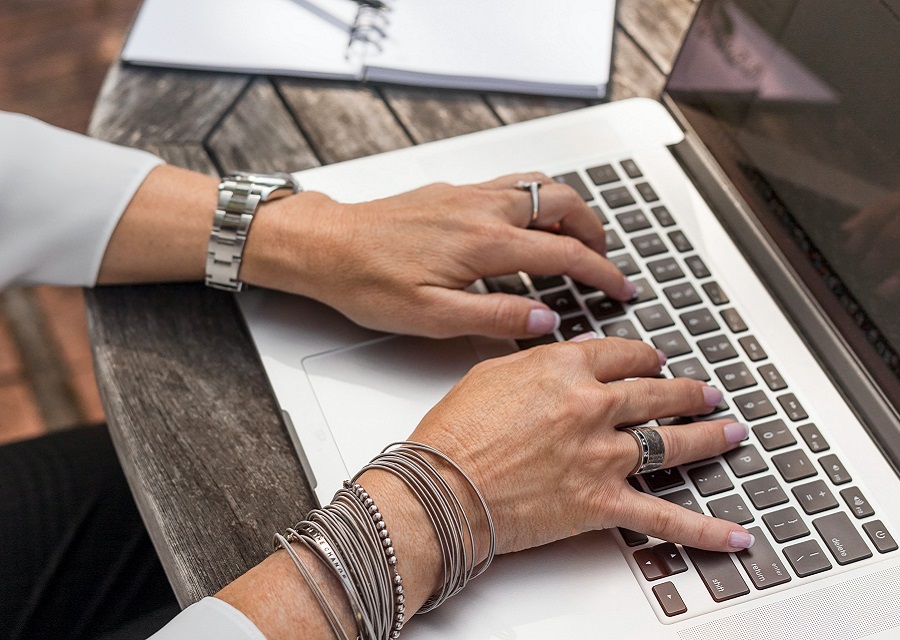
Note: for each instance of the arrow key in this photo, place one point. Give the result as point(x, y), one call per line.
point(669, 599)
point(671, 558)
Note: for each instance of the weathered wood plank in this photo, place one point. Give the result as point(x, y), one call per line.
point(139, 104)
point(634, 75)
point(259, 134)
point(432, 114)
point(342, 120)
point(656, 26)
point(188, 156)
point(518, 108)
point(194, 422)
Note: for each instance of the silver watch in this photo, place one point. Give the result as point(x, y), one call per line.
point(239, 195)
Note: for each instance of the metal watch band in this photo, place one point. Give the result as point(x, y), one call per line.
point(239, 196)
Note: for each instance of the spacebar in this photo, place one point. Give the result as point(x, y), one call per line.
point(719, 574)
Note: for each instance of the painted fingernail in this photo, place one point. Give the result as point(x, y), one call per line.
point(712, 396)
point(631, 292)
point(662, 358)
point(590, 335)
point(542, 321)
point(736, 431)
point(740, 540)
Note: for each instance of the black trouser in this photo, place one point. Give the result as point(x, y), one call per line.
point(75, 559)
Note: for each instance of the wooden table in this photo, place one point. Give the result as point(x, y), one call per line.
point(191, 413)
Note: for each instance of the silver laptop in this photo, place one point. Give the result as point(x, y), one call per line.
point(757, 207)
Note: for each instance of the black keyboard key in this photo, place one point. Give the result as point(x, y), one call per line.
point(763, 566)
point(632, 221)
point(644, 291)
point(574, 180)
point(649, 245)
point(618, 197)
point(807, 558)
point(562, 302)
point(745, 461)
point(663, 479)
point(672, 344)
point(669, 599)
point(754, 405)
point(542, 283)
point(699, 322)
point(647, 192)
point(734, 320)
point(625, 263)
point(710, 479)
point(842, 538)
point(665, 270)
point(655, 317)
point(603, 307)
point(631, 169)
point(506, 284)
point(574, 326)
point(633, 538)
point(813, 438)
point(650, 564)
point(690, 368)
point(682, 295)
point(600, 215)
point(671, 558)
point(814, 497)
point(774, 434)
point(735, 376)
point(613, 241)
point(680, 241)
point(786, 524)
point(880, 536)
point(697, 267)
point(721, 577)
point(765, 492)
point(528, 343)
point(835, 470)
point(622, 329)
point(792, 407)
point(635, 483)
point(793, 465)
point(752, 348)
point(731, 508)
point(663, 217)
point(715, 293)
point(716, 349)
point(604, 174)
point(584, 289)
point(771, 377)
point(857, 502)
point(684, 498)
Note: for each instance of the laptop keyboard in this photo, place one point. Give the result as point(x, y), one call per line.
point(785, 483)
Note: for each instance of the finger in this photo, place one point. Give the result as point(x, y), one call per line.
point(638, 401)
point(498, 315)
point(662, 519)
point(616, 358)
point(509, 181)
point(691, 442)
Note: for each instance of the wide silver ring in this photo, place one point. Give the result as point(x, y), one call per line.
point(533, 187)
point(652, 449)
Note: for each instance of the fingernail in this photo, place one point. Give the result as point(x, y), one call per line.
point(542, 321)
point(662, 358)
point(740, 540)
point(712, 396)
point(736, 431)
point(590, 335)
point(630, 290)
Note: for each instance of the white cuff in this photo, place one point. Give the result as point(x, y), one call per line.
point(210, 618)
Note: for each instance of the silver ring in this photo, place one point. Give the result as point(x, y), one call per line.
point(652, 449)
point(533, 187)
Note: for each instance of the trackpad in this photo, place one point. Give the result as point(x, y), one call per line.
point(376, 393)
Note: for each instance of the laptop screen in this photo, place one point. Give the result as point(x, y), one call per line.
point(799, 102)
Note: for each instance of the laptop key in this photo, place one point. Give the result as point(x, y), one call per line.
point(792, 407)
point(665, 270)
point(574, 180)
point(625, 263)
point(813, 438)
point(835, 470)
point(644, 291)
point(647, 192)
point(771, 377)
point(841, 538)
point(807, 558)
point(697, 266)
point(754, 405)
point(745, 461)
point(715, 293)
point(814, 497)
point(663, 479)
point(562, 302)
point(672, 344)
point(604, 174)
point(879, 536)
point(584, 289)
point(655, 317)
point(793, 465)
point(574, 326)
point(669, 599)
point(622, 329)
point(682, 295)
point(680, 241)
point(671, 558)
point(763, 566)
point(690, 368)
point(857, 502)
point(774, 435)
point(650, 563)
point(663, 217)
point(613, 241)
point(511, 283)
point(731, 508)
point(699, 322)
point(752, 348)
point(649, 245)
point(603, 307)
point(542, 283)
point(685, 498)
point(719, 575)
point(632, 221)
point(633, 538)
point(786, 524)
point(765, 492)
point(735, 376)
point(631, 169)
point(734, 320)
point(710, 479)
point(716, 349)
point(618, 197)
point(600, 215)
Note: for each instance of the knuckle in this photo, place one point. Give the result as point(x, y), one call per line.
point(665, 521)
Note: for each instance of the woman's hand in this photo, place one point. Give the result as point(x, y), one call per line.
point(401, 263)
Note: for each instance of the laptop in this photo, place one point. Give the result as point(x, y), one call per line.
point(757, 208)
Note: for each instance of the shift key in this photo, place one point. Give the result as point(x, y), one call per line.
point(763, 566)
point(719, 574)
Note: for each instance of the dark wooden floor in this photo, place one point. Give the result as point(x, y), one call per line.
point(53, 57)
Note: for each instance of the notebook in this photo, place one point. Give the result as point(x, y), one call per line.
point(502, 45)
point(755, 207)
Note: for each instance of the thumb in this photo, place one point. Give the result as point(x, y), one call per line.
point(497, 315)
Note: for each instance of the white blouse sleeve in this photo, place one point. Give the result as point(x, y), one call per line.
point(61, 196)
point(211, 619)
